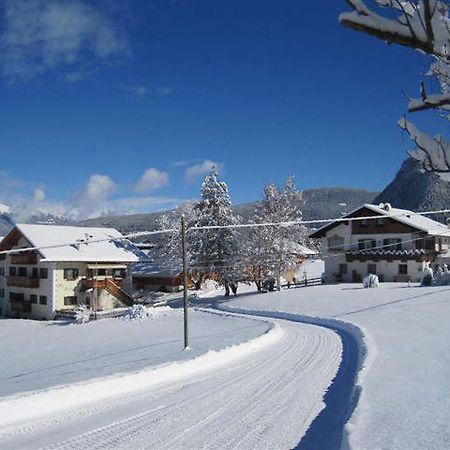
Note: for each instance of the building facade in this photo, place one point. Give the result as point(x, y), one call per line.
point(92, 268)
point(394, 244)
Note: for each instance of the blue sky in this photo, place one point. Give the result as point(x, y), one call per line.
point(121, 107)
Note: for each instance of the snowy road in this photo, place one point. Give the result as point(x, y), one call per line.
point(266, 400)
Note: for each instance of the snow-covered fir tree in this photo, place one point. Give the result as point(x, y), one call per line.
point(273, 249)
point(215, 252)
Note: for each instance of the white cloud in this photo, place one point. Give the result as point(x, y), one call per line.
point(41, 35)
point(201, 169)
point(93, 197)
point(38, 195)
point(151, 180)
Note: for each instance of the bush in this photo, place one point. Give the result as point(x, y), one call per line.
point(427, 277)
point(82, 314)
point(371, 281)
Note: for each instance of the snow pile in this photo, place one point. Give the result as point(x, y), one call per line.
point(141, 312)
point(82, 314)
point(371, 281)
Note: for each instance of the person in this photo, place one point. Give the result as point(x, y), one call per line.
point(227, 290)
point(234, 287)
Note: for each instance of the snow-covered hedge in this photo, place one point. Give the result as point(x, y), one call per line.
point(371, 281)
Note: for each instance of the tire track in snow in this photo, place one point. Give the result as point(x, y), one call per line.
point(253, 403)
point(327, 431)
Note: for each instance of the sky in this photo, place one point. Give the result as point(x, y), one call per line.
point(120, 107)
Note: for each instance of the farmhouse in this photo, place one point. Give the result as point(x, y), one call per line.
point(395, 245)
point(92, 270)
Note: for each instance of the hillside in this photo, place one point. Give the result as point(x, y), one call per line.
point(319, 203)
point(417, 191)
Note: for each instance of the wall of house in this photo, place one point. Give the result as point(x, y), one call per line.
point(98, 298)
point(38, 311)
point(387, 270)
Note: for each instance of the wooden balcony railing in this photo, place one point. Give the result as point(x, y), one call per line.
point(24, 258)
point(25, 282)
point(93, 283)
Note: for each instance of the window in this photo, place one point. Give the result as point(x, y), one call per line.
point(70, 301)
point(42, 299)
point(34, 272)
point(12, 271)
point(14, 296)
point(70, 274)
point(22, 272)
point(336, 243)
point(343, 269)
point(363, 223)
point(2, 293)
point(366, 244)
point(2, 271)
point(403, 269)
point(372, 268)
point(118, 273)
point(380, 222)
point(392, 244)
point(101, 272)
point(43, 272)
point(33, 298)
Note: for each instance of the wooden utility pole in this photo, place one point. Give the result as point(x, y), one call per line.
point(185, 287)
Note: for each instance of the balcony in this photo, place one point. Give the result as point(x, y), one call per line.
point(24, 258)
point(92, 283)
point(20, 306)
point(25, 282)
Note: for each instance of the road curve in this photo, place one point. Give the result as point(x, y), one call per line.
point(267, 400)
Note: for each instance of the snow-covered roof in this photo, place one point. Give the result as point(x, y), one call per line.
point(83, 248)
point(152, 270)
point(412, 219)
point(300, 249)
point(417, 221)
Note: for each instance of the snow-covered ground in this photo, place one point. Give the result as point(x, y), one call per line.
point(38, 355)
point(405, 402)
point(262, 393)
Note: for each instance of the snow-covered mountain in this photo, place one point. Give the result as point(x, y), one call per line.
point(417, 191)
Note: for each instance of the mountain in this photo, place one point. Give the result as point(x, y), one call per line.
point(319, 203)
point(417, 191)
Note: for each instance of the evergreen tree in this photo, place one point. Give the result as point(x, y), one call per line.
point(215, 251)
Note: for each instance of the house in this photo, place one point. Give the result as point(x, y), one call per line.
point(92, 269)
point(150, 276)
point(395, 245)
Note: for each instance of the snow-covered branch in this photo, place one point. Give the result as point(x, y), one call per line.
point(433, 153)
point(421, 24)
point(433, 101)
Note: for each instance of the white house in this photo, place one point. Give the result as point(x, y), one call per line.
point(396, 244)
point(92, 270)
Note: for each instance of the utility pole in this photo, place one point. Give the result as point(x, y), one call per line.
point(185, 288)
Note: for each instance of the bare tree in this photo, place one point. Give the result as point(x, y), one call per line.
point(423, 25)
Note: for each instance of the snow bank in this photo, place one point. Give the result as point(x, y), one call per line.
point(21, 408)
point(141, 312)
